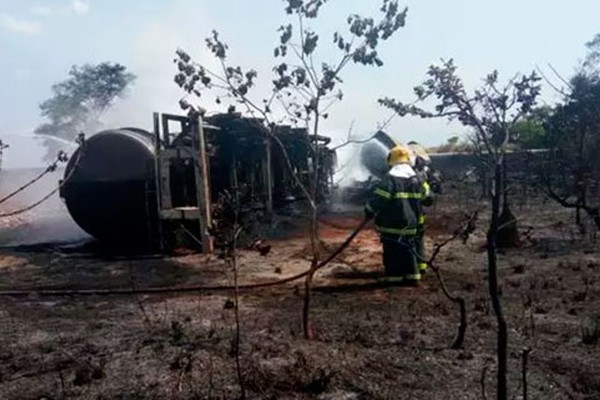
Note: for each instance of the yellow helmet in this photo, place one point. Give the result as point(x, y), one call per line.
point(398, 155)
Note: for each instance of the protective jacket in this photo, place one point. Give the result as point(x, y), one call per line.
point(397, 202)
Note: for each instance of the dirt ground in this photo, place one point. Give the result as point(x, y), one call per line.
point(371, 342)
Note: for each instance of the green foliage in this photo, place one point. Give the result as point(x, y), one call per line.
point(573, 135)
point(303, 87)
point(530, 132)
point(453, 141)
point(89, 91)
point(576, 123)
point(570, 171)
point(490, 111)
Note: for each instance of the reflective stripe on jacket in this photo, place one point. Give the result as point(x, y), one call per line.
point(397, 203)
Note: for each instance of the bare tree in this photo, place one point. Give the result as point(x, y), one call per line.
point(491, 112)
point(232, 262)
point(303, 91)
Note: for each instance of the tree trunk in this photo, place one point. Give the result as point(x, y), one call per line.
point(525, 358)
point(594, 213)
point(504, 185)
point(502, 334)
point(315, 244)
point(507, 236)
point(579, 178)
point(314, 233)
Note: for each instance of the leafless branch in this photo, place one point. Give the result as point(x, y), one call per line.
point(525, 359)
point(467, 228)
point(380, 127)
point(311, 70)
point(482, 382)
point(559, 76)
point(552, 85)
point(236, 293)
point(136, 297)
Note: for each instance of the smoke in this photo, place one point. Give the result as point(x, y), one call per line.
point(152, 50)
point(151, 58)
point(50, 222)
point(349, 168)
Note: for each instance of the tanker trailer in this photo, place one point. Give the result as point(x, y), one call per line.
point(373, 157)
point(373, 154)
point(108, 187)
point(135, 189)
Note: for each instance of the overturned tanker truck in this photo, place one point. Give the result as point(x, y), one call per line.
point(139, 189)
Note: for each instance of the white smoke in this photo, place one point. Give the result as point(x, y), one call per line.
point(151, 59)
point(48, 223)
point(153, 50)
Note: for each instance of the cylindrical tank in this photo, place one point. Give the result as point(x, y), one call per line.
point(373, 154)
point(109, 187)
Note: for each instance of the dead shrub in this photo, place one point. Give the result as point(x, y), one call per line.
point(591, 331)
point(279, 375)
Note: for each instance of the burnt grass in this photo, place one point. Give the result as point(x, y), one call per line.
point(371, 342)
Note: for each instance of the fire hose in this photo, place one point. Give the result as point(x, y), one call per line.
point(62, 157)
point(186, 289)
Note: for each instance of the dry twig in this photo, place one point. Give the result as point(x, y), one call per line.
point(467, 228)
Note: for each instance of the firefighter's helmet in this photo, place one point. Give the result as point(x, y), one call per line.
point(398, 155)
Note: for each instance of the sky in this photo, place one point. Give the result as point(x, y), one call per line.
point(41, 39)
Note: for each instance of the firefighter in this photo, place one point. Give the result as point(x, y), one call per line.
point(421, 171)
point(421, 163)
point(397, 206)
